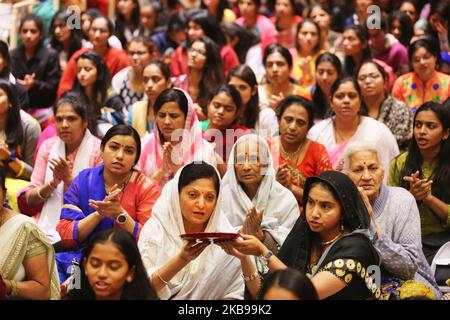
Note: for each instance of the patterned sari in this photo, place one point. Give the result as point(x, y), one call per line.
point(21, 239)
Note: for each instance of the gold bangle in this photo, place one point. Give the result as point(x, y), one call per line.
point(14, 289)
point(38, 191)
point(250, 277)
point(22, 168)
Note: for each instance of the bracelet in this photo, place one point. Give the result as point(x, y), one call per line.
point(162, 280)
point(38, 191)
point(250, 277)
point(22, 168)
point(14, 288)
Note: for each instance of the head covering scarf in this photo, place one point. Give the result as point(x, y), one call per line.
point(296, 250)
point(212, 275)
point(191, 148)
point(280, 206)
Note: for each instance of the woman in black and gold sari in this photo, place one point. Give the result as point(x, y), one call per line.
point(329, 242)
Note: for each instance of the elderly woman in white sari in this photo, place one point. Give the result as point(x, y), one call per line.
point(188, 270)
point(252, 199)
point(27, 259)
point(396, 214)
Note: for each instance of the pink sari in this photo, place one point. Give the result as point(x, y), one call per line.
point(191, 148)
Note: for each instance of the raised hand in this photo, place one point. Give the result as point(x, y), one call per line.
point(252, 223)
point(110, 206)
point(283, 176)
point(366, 201)
point(61, 170)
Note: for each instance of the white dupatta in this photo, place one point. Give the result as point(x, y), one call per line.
point(213, 275)
point(281, 207)
point(51, 211)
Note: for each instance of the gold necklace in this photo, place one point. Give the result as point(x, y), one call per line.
point(332, 240)
point(292, 155)
point(121, 187)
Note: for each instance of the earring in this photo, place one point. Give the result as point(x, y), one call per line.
point(342, 225)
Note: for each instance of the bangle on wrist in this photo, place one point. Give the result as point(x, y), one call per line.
point(250, 277)
point(38, 192)
point(162, 280)
point(22, 168)
point(14, 288)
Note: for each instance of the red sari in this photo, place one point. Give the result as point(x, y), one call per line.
point(314, 162)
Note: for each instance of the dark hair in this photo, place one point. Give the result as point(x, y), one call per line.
point(213, 75)
point(123, 130)
point(171, 95)
point(246, 39)
point(297, 100)
point(246, 74)
point(177, 22)
point(414, 160)
point(301, 24)
point(109, 23)
point(209, 25)
point(100, 88)
point(3, 180)
point(4, 53)
point(405, 25)
point(256, 2)
point(198, 170)
point(162, 67)
point(275, 47)
point(296, 9)
point(321, 7)
point(441, 8)
point(13, 130)
point(349, 64)
point(232, 92)
point(121, 23)
point(384, 75)
point(291, 280)
point(339, 82)
point(320, 101)
point(223, 4)
point(73, 99)
point(429, 44)
point(75, 34)
point(37, 20)
point(148, 43)
point(138, 289)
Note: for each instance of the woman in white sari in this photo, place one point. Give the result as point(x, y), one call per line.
point(27, 259)
point(58, 161)
point(252, 199)
point(186, 270)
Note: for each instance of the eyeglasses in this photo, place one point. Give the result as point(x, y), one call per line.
point(372, 76)
point(194, 50)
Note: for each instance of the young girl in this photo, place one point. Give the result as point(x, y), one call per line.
point(424, 170)
point(263, 121)
point(221, 128)
point(36, 67)
point(112, 269)
point(92, 82)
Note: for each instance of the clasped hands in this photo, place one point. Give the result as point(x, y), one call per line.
point(110, 206)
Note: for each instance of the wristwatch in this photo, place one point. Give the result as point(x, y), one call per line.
point(266, 258)
point(121, 218)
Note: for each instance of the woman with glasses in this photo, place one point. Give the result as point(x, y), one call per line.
point(205, 73)
point(129, 82)
point(381, 105)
